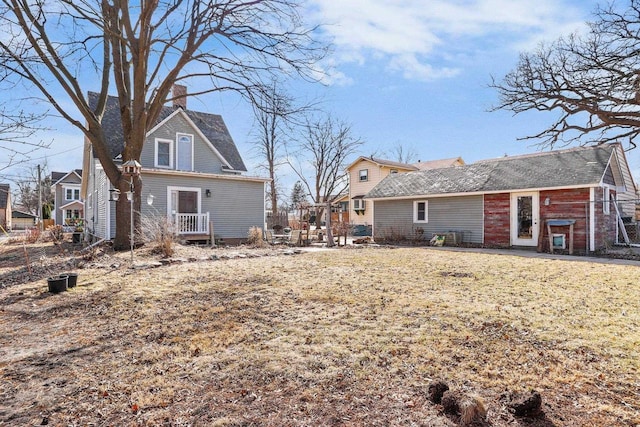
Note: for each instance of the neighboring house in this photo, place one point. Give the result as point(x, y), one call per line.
point(68, 206)
point(5, 207)
point(366, 172)
point(437, 164)
point(23, 220)
point(191, 168)
point(510, 201)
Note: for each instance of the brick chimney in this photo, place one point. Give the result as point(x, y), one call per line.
point(179, 90)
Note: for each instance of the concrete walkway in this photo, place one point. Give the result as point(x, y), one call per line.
point(534, 254)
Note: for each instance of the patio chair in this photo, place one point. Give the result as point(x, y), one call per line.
point(295, 238)
point(268, 236)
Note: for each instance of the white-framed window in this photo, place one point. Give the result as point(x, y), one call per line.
point(71, 193)
point(364, 175)
point(164, 153)
point(606, 200)
point(185, 152)
point(393, 171)
point(359, 204)
point(420, 211)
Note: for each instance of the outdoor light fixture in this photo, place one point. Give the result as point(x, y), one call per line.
point(114, 195)
point(150, 198)
point(547, 201)
point(207, 192)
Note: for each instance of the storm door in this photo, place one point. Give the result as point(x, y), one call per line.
point(525, 219)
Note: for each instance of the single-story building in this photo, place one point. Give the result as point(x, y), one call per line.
point(515, 201)
point(23, 220)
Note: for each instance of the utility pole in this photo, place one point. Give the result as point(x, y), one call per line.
point(39, 186)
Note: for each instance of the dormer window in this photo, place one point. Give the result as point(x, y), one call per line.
point(185, 152)
point(164, 153)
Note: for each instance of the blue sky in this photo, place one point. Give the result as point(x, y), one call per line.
point(410, 72)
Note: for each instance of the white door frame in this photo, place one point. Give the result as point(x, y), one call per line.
point(170, 189)
point(517, 240)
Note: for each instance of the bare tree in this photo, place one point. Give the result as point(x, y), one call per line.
point(325, 146)
point(29, 193)
point(592, 81)
point(403, 154)
point(274, 113)
point(140, 50)
point(17, 130)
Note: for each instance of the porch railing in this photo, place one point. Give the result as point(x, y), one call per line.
point(190, 223)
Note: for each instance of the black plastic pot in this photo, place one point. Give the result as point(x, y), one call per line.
point(73, 279)
point(57, 284)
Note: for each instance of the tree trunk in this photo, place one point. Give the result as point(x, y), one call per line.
point(329, 231)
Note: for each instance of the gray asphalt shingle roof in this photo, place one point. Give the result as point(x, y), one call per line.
point(566, 168)
point(211, 125)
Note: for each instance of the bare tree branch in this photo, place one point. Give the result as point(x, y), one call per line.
point(140, 50)
point(276, 115)
point(591, 81)
point(325, 145)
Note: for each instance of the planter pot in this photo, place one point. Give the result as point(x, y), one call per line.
point(57, 284)
point(73, 279)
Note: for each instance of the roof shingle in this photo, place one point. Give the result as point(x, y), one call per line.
point(211, 125)
point(573, 167)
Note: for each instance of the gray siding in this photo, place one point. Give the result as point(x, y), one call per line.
point(60, 200)
point(462, 214)
point(234, 205)
point(205, 159)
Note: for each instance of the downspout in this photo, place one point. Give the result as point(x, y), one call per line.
point(587, 230)
point(592, 219)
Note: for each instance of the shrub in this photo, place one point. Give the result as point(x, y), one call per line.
point(32, 235)
point(160, 232)
point(255, 237)
point(56, 233)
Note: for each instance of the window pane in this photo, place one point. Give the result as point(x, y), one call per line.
point(185, 148)
point(163, 154)
point(421, 211)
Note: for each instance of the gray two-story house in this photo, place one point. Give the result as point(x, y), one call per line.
point(192, 173)
point(68, 207)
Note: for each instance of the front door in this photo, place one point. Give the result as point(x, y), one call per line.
point(525, 219)
point(183, 202)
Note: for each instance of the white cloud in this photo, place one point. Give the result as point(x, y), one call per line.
point(412, 69)
point(414, 36)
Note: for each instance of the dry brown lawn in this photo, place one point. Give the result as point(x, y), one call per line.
point(341, 337)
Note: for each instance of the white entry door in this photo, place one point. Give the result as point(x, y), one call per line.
point(525, 219)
